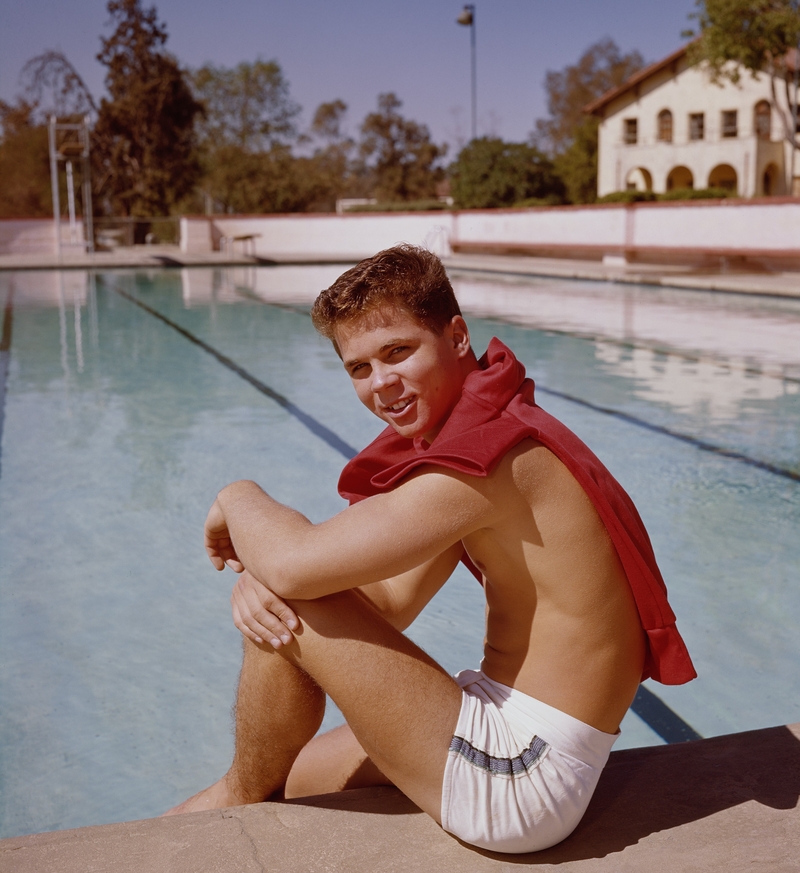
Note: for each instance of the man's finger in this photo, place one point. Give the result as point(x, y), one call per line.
point(241, 626)
point(259, 622)
point(285, 614)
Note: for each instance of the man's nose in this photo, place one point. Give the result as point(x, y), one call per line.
point(383, 377)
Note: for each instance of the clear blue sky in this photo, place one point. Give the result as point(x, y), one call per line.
point(356, 49)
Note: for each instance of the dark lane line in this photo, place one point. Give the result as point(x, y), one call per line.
point(665, 722)
point(692, 441)
point(5, 357)
point(316, 427)
point(653, 711)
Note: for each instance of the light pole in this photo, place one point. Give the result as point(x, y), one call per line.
point(467, 18)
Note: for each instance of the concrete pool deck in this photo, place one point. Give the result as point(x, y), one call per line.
point(723, 804)
point(778, 284)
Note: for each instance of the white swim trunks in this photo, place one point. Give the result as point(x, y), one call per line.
point(519, 773)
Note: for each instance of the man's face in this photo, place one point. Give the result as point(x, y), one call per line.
point(402, 371)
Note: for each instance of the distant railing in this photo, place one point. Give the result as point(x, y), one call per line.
point(112, 233)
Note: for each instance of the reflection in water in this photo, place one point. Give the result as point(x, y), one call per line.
point(709, 355)
point(763, 332)
point(714, 388)
point(62, 327)
point(80, 288)
point(78, 331)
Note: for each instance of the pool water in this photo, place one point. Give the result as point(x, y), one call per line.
point(129, 399)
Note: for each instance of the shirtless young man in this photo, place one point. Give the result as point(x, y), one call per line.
point(469, 468)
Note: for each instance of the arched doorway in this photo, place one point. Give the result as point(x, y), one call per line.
point(723, 176)
point(770, 180)
point(639, 179)
point(680, 177)
point(762, 120)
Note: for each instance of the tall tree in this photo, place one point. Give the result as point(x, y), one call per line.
point(144, 140)
point(246, 106)
point(261, 182)
point(599, 69)
point(567, 135)
point(24, 163)
point(749, 35)
point(489, 173)
point(332, 164)
point(399, 154)
point(577, 164)
point(245, 134)
point(327, 122)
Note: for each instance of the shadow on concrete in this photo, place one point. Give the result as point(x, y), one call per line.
point(386, 800)
point(644, 791)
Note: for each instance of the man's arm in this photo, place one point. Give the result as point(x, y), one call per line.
point(387, 535)
point(401, 599)
point(263, 617)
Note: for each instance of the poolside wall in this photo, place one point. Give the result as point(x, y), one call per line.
point(763, 232)
point(22, 236)
point(766, 230)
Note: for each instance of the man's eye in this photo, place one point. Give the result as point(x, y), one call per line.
point(398, 349)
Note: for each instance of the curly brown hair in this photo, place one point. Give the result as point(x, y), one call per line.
point(405, 276)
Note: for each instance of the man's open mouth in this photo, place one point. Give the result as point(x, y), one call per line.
point(400, 405)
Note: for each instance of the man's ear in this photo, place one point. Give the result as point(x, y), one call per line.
point(460, 335)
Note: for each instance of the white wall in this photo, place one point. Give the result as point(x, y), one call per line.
point(573, 225)
point(20, 236)
point(752, 226)
point(316, 237)
point(747, 226)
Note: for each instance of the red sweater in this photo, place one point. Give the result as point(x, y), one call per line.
point(496, 411)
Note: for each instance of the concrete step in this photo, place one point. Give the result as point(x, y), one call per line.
point(723, 804)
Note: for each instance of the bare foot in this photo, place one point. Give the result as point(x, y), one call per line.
point(216, 796)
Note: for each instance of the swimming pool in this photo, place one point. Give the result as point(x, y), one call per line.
point(131, 398)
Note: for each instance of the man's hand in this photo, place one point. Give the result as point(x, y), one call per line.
point(261, 615)
point(219, 545)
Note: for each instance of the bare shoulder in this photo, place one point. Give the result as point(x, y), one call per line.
point(537, 499)
point(534, 474)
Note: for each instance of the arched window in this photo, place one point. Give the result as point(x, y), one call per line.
point(763, 120)
point(665, 126)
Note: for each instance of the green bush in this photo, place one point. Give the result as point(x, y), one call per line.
point(490, 173)
point(401, 206)
point(550, 200)
point(628, 197)
point(677, 194)
point(697, 194)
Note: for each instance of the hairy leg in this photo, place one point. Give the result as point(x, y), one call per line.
point(400, 705)
point(278, 710)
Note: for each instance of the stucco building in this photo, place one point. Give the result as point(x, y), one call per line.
point(669, 126)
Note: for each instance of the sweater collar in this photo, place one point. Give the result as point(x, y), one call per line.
point(486, 393)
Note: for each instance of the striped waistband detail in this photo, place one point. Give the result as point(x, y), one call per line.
point(526, 760)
